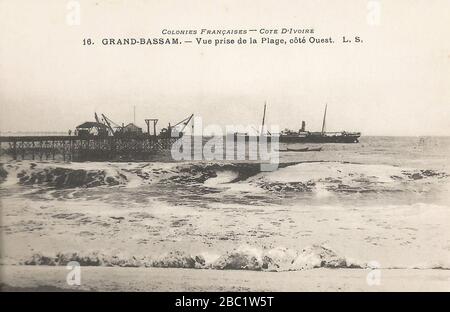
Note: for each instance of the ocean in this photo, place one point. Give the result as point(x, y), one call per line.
point(383, 202)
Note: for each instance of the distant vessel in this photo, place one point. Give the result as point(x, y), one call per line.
point(303, 136)
point(305, 149)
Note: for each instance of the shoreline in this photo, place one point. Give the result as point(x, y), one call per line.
point(53, 278)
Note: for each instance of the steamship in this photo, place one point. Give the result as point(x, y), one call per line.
point(304, 136)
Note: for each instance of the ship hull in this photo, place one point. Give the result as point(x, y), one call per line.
point(310, 138)
point(351, 138)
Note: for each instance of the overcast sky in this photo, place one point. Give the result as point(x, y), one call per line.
point(397, 82)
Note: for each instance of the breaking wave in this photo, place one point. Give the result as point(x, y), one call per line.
point(242, 258)
point(3, 173)
point(63, 176)
point(69, 178)
point(299, 177)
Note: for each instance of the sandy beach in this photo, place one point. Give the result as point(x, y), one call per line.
point(47, 278)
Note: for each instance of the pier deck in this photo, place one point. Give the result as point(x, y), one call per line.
point(84, 148)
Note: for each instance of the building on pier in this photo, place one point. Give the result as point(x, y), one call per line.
point(90, 128)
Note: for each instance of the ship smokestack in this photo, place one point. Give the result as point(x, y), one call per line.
point(303, 126)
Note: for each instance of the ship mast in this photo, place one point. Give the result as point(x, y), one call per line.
point(264, 118)
point(324, 117)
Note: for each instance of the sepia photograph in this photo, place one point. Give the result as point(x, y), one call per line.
point(224, 146)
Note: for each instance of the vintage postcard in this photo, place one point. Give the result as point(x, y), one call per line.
point(224, 146)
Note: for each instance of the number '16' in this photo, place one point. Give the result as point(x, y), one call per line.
point(88, 41)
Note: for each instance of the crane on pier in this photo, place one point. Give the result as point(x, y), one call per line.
point(108, 122)
point(167, 132)
point(96, 118)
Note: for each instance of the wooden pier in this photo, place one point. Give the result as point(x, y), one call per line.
point(75, 148)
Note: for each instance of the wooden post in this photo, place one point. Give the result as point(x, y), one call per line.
point(23, 151)
point(71, 150)
point(14, 150)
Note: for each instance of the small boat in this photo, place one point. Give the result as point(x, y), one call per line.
point(305, 149)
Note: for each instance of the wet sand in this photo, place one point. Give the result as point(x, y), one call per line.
point(48, 278)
